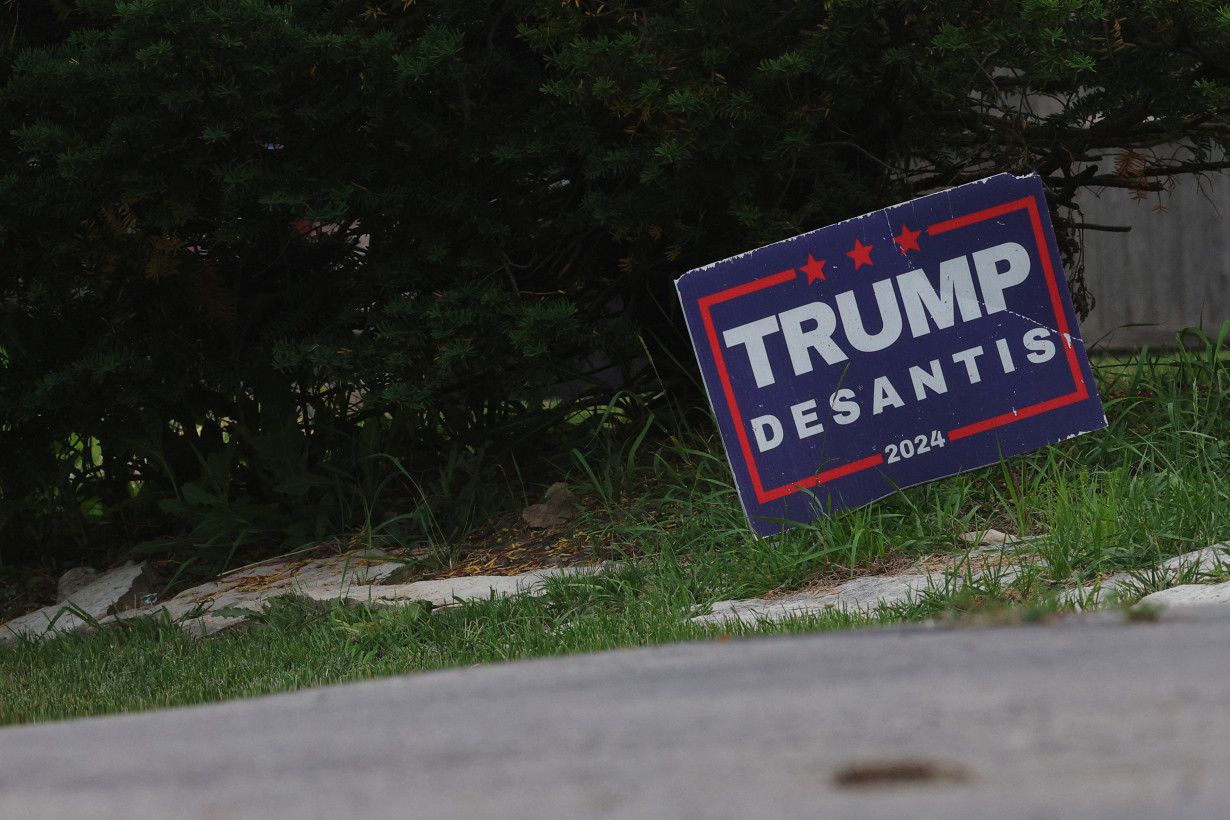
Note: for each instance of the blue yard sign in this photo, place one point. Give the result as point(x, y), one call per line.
point(903, 346)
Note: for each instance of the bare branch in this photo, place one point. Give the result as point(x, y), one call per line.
point(1090, 226)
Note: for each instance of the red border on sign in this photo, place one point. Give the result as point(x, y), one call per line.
point(1079, 393)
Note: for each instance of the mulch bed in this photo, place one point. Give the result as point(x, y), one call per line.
point(509, 546)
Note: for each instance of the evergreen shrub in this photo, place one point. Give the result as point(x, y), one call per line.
point(246, 245)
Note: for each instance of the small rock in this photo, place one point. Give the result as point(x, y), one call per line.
point(1189, 595)
point(73, 580)
point(558, 505)
point(111, 592)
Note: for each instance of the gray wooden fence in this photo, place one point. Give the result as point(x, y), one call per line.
point(1171, 271)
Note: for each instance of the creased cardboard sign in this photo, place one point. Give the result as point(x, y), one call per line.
point(906, 345)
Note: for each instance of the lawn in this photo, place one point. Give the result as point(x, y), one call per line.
point(1155, 484)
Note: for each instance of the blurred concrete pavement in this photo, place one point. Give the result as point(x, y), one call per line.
point(1086, 717)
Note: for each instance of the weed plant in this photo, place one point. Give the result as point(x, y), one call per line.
point(1153, 485)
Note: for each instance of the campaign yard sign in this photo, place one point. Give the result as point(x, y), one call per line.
point(906, 345)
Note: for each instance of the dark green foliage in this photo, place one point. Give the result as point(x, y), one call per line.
point(224, 222)
point(246, 245)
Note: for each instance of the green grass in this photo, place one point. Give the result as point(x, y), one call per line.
point(154, 664)
point(1155, 484)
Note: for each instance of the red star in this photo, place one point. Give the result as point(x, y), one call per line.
point(861, 254)
point(813, 269)
point(908, 240)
